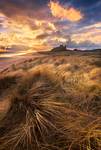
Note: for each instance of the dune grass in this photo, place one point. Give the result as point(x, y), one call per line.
point(52, 106)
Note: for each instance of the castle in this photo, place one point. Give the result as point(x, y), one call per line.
point(60, 48)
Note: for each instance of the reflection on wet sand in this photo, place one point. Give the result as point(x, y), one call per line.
point(8, 59)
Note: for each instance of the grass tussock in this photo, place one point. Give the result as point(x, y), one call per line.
point(6, 82)
point(52, 107)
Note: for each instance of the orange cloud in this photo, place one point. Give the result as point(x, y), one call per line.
point(70, 14)
point(93, 34)
point(20, 32)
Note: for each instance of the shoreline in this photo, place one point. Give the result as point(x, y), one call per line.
point(7, 62)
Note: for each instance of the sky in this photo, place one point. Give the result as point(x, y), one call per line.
point(42, 24)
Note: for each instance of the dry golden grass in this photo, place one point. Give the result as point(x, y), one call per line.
point(53, 105)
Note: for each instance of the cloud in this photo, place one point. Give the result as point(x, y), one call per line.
point(29, 23)
point(91, 34)
point(29, 8)
point(87, 44)
point(42, 36)
point(46, 25)
point(59, 11)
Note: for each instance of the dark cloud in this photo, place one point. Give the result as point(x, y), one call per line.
point(25, 4)
point(88, 45)
point(42, 36)
point(29, 8)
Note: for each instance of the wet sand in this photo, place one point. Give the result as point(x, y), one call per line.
point(6, 62)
